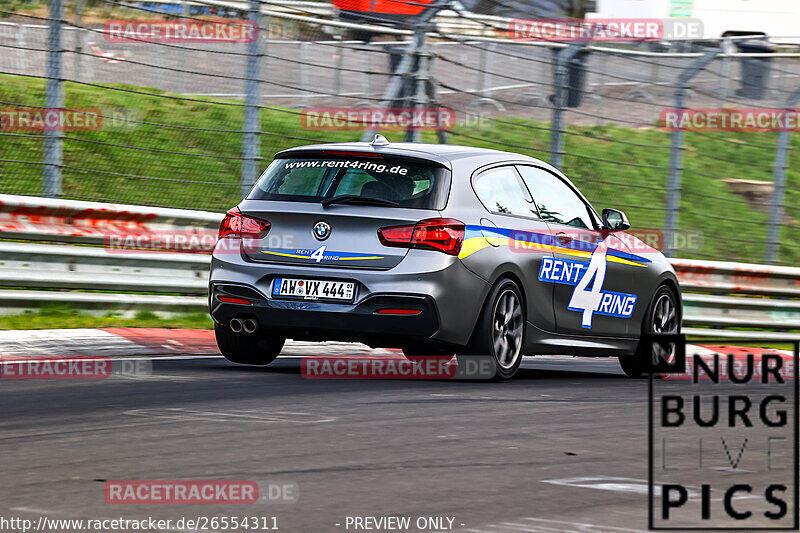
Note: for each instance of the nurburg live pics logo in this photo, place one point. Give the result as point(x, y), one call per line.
point(722, 435)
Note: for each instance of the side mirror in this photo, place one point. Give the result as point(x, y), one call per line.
point(615, 220)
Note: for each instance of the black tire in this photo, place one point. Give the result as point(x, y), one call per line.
point(248, 348)
point(422, 350)
point(501, 342)
point(633, 365)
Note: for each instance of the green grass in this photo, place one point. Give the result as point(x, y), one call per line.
point(613, 165)
point(64, 317)
point(707, 205)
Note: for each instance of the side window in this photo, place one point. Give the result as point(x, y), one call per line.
point(299, 181)
point(557, 202)
point(501, 191)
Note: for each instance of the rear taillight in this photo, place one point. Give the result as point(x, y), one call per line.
point(231, 300)
point(235, 223)
point(392, 311)
point(441, 234)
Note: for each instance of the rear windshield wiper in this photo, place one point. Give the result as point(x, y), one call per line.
point(355, 199)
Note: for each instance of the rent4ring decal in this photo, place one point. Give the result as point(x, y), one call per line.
point(588, 297)
point(321, 254)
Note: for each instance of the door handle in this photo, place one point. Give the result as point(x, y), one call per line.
point(563, 238)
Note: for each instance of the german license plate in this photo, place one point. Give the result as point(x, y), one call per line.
point(313, 289)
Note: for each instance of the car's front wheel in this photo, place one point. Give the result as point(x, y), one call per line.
point(663, 316)
point(500, 331)
point(248, 348)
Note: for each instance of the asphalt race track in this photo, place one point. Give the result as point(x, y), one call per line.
point(562, 447)
point(477, 451)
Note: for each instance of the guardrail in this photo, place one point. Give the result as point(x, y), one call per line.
point(447, 20)
point(739, 295)
point(721, 300)
point(64, 273)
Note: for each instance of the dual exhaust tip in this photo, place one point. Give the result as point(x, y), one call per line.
point(248, 325)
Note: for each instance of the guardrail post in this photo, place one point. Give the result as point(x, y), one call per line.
point(252, 120)
point(559, 100)
point(676, 153)
point(54, 99)
point(778, 188)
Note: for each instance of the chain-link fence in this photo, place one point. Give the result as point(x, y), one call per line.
point(188, 124)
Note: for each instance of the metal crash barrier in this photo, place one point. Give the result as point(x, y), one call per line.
point(73, 248)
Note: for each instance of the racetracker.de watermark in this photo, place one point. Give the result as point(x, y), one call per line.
point(50, 119)
point(38, 119)
point(731, 119)
point(637, 240)
point(378, 118)
point(387, 367)
point(605, 30)
point(202, 241)
point(180, 31)
point(187, 492)
point(71, 367)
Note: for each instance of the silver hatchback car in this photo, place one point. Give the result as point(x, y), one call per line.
point(435, 249)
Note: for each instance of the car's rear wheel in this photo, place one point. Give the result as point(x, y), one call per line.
point(248, 348)
point(663, 316)
point(500, 331)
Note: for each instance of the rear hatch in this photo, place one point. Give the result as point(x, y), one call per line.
point(325, 209)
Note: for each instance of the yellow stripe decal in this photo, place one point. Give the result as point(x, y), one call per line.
point(475, 244)
point(285, 255)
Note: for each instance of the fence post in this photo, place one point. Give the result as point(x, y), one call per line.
point(559, 99)
point(337, 74)
point(676, 153)
point(421, 78)
point(778, 188)
point(78, 40)
point(22, 63)
point(366, 82)
point(433, 99)
point(304, 73)
point(54, 99)
point(182, 57)
point(483, 58)
point(252, 121)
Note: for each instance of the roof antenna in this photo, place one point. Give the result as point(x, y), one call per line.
point(379, 140)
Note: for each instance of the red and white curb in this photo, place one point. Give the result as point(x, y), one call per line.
point(150, 341)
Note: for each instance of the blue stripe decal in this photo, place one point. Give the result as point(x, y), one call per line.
point(548, 239)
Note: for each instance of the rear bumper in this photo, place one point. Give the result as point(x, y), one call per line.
point(448, 294)
point(333, 321)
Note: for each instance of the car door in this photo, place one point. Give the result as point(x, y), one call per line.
point(511, 234)
point(591, 269)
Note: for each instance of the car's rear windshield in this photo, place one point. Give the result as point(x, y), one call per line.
point(408, 182)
